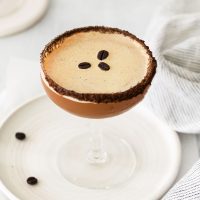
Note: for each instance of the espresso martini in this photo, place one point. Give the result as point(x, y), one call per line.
point(97, 72)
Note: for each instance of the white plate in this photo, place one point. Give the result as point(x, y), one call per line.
point(28, 13)
point(157, 150)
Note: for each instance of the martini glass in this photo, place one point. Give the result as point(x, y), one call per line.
point(98, 157)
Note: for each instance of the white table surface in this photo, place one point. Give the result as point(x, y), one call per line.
point(132, 15)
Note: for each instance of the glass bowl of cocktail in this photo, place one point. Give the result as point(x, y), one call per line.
point(95, 73)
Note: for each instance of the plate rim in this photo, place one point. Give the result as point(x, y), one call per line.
point(159, 193)
point(3, 188)
point(177, 157)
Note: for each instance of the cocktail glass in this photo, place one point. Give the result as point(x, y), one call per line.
point(96, 158)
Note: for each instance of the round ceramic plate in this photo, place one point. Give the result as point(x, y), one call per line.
point(156, 147)
point(28, 13)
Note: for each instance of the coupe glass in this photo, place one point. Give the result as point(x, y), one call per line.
point(96, 158)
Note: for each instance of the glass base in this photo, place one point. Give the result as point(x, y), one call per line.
point(117, 166)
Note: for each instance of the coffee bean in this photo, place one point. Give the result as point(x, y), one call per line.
point(103, 54)
point(84, 65)
point(20, 136)
point(32, 181)
point(104, 66)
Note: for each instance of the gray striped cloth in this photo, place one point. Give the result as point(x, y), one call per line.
point(174, 37)
point(188, 188)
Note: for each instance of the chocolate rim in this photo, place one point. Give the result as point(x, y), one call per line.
point(99, 97)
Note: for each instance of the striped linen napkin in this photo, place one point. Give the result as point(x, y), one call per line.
point(174, 37)
point(188, 188)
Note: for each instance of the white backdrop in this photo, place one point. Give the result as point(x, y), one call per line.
point(132, 15)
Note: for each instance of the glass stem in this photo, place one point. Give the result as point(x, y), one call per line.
point(97, 153)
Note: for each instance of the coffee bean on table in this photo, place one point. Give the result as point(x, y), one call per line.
point(104, 66)
point(32, 181)
point(84, 65)
point(20, 136)
point(103, 54)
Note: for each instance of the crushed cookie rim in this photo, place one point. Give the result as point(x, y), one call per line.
point(100, 97)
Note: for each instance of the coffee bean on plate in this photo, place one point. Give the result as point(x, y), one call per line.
point(20, 136)
point(32, 180)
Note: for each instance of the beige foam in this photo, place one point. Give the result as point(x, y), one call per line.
point(127, 59)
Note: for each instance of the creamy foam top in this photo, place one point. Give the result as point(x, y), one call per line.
point(128, 61)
